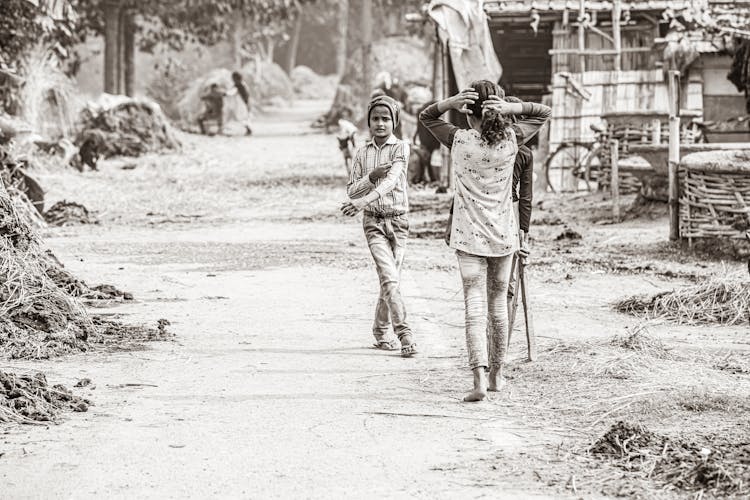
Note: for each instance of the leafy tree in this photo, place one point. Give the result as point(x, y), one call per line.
point(24, 23)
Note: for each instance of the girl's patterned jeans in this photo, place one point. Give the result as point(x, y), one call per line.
point(485, 283)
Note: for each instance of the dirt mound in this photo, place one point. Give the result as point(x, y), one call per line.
point(69, 213)
point(29, 399)
point(268, 80)
point(310, 85)
point(718, 468)
point(723, 301)
point(122, 126)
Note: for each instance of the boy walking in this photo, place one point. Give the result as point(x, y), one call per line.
point(377, 185)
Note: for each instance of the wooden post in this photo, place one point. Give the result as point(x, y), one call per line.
point(616, 33)
point(366, 28)
point(582, 38)
point(615, 180)
point(674, 155)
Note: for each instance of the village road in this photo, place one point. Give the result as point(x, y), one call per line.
point(270, 389)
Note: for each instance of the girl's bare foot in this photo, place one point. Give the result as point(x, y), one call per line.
point(480, 386)
point(497, 381)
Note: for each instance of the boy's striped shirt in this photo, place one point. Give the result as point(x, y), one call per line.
point(388, 196)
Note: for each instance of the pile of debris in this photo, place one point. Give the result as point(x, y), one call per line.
point(715, 468)
point(28, 399)
point(40, 312)
point(722, 300)
point(123, 126)
point(69, 213)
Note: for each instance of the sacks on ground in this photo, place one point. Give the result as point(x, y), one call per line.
point(127, 126)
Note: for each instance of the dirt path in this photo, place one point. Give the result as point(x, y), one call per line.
point(270, 390)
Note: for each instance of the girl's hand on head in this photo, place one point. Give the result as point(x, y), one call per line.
point(465, 98)
point(494, 103)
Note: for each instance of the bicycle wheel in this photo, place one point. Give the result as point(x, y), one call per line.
point(563, 167)
point(592, 167)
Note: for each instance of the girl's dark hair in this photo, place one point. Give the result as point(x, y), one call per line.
point(495, 127)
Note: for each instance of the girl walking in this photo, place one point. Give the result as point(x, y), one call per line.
point(484, 229)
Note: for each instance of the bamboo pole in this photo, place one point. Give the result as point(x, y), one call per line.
point(582, 37)
point(674, 155)
point(446, 91)
point(616, 34)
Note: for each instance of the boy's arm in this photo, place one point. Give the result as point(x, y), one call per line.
point(535, 115)
point(442, 130)
point(359, 183)
point(525, 189)
point(399, 160)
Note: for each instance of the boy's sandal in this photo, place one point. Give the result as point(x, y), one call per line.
point(408, 351)
point(387, 345)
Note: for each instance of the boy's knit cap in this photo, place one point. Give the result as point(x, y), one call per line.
point(388, 102)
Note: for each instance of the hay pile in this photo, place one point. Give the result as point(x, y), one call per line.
point(28, 399)
point(723, 301)
point(40, 312)
point(126, 127)
point(68, 213)
point(310, 85)
point(716, 468)
point(266, 82)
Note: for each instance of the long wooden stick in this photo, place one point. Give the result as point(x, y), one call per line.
point(514, 302)
point(530, 338)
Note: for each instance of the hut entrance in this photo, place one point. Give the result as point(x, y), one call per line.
point(525, 58)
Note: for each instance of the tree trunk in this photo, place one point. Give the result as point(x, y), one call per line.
point(366, 27)
point(238, 25)
point(291, 55)
point(111, 44)
point(129, 53)
point(270, 47)
point(121, 29)
point(341, 48)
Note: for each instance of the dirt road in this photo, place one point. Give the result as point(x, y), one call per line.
point(270, 389)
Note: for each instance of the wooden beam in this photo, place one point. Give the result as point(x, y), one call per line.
point(614, 182)
point(602, 52)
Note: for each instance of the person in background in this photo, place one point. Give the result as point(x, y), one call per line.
point(244, 93)
point(377, 185)
point(346, 138)
point(213, 102)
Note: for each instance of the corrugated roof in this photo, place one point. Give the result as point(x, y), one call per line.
point(511, 7)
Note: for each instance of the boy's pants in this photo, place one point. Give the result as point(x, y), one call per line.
point(386, 237)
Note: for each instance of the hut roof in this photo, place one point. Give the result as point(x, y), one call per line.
point(516, 7)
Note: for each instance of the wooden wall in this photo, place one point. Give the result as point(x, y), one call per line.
point(639, 35)
point(572, 116)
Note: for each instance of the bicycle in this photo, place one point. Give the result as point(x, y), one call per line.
point(578, 162)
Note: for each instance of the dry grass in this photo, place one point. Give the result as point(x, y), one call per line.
point(581, 388)
point(722, 301)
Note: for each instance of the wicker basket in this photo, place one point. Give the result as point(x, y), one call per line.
point(715, 190)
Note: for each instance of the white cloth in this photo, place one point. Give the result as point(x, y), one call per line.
point(463, 24)
point(484, 222)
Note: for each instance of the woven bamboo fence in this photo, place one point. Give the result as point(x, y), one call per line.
point(715, 200)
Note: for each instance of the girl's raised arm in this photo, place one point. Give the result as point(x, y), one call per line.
point(442, 130)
